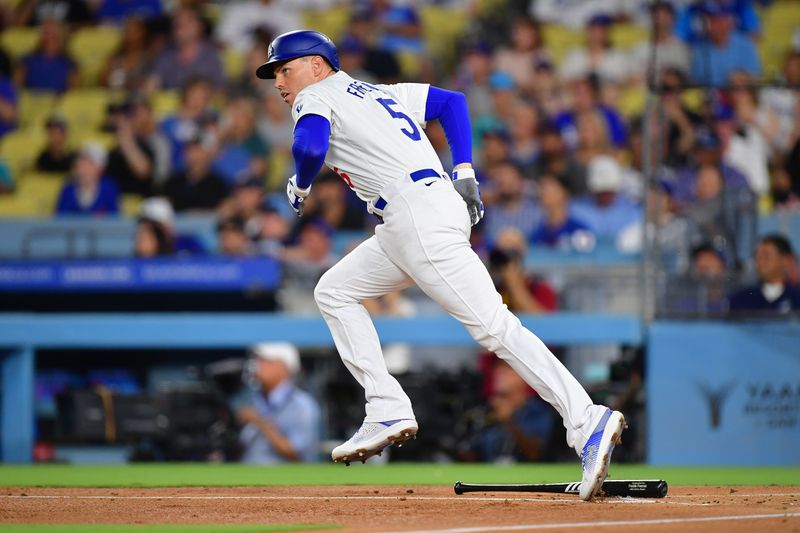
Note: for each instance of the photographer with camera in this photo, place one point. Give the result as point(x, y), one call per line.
point(521, 292)
point(140, 159)
point(281, 422)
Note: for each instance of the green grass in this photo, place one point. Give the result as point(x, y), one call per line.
point(165, 528)
point(176, 475)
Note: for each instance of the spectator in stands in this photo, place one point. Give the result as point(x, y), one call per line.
point(495, 149)
point(681, 121)
point(352, 58)
point(786, 188)
point(274, 232)
point(8, 106)
point(707, 262)
point(526, 51)
point(129, 66)
point(593, 137)
point(246, 202)
point(574, 14)
point(782, 103)
point(504, 99)
point(743, 145)
point(521, 292)
point(547, 89)
point(598, 57)
point(139, 162)
point(158, 210)
point(472, 77)
point(524, 142)
point(88, 191)
point(120, 11)
point(719, 211)
point(608, 211)
point(555, 159)
point(507, 206)
point(239, 20)
point(305, 261)
point(275, 124)
point(232, 237)
point(706, 152)
point(586, 99)
point(364, 27)
point(56, 156)
point(400, 27)
point(193, 117)
point(723, 49)
point(334, 204)
point(152, 240)
point(49, 67)
point(36, 12)
point(196, 187)
point(190, 55)
point(772, 293)
point(241, 150)
point(691, 22)
point(559, 229)
point(281, 422)
point(522, 422)
point(670, 52)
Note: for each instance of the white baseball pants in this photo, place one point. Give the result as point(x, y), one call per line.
point(424, 239)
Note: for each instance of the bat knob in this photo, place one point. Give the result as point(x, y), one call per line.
point(457, 488)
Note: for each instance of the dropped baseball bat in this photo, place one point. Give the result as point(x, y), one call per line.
point(635, 488)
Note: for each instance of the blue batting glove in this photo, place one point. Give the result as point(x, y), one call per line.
point(296, 195)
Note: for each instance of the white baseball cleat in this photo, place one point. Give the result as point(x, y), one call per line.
point(372, 437)
point(596, 454)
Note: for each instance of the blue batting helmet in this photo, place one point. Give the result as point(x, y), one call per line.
point(296, 44)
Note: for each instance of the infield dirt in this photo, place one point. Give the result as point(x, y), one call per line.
point(412, 508)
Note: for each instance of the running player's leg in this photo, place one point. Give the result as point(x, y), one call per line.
point(425, 234)
point(366, 272)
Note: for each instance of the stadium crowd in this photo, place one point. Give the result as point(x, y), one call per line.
point(556, 90)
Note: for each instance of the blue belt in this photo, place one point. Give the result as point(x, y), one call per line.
point(421, 174)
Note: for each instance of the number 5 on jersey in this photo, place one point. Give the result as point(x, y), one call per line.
point(412, 134)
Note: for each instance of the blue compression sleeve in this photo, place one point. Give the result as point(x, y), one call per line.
point(311, 134)
point(450, 108)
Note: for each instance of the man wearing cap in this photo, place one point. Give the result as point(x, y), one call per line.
point(723, 50)
point(608, 211)
point(89, 192)
point(282, 422)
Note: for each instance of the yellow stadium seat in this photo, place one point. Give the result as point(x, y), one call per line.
point(39, 192)
point(130, 205)
point(278, 170)
point(19, 41)
point(165, 103)
point(90, 48)
point(626, 36)
point(20, 149)
point(559, 40)
point(631, 101)
point(84, 109)
point(332, 22)
point(409, 64)
point(442, 29)
point(233, 62)
point(34, 108)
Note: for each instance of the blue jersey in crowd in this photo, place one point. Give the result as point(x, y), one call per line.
point(105, 202)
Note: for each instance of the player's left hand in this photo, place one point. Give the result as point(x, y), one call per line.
point(467, 186)
point(296, 195)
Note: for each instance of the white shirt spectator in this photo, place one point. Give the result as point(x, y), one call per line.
point(239, 19)
point(671, 54)
point(574, 13)
point(612, 67)
point(748, 152)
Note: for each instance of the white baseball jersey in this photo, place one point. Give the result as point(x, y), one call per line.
point(376, 130)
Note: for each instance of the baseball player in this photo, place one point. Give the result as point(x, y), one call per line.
point(371, 136)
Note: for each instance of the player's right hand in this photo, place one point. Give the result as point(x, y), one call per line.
point(466, 185)
point(296, 195)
